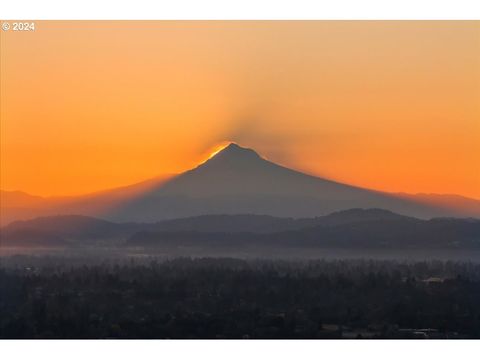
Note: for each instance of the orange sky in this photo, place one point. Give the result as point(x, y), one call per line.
point(393, 106)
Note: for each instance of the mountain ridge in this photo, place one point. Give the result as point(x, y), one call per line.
point(353, 227)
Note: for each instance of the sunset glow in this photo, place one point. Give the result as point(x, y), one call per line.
point(393, 106)
point(218, 148)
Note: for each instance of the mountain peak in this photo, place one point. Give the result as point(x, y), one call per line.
point(233, 156)
point(234, 151)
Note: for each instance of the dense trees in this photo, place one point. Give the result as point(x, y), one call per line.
point(230, 298)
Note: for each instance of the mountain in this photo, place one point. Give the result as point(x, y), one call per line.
point(236, 181)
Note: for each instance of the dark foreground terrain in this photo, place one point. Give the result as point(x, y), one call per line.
point(229, 298)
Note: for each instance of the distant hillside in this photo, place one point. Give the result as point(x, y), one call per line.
point(19, 199)
point(90, 229)
point(349, 228)
point(74, 228)
point(385, 234)
point(268, 224)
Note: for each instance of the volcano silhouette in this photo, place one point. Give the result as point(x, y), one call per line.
point(239, 181)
